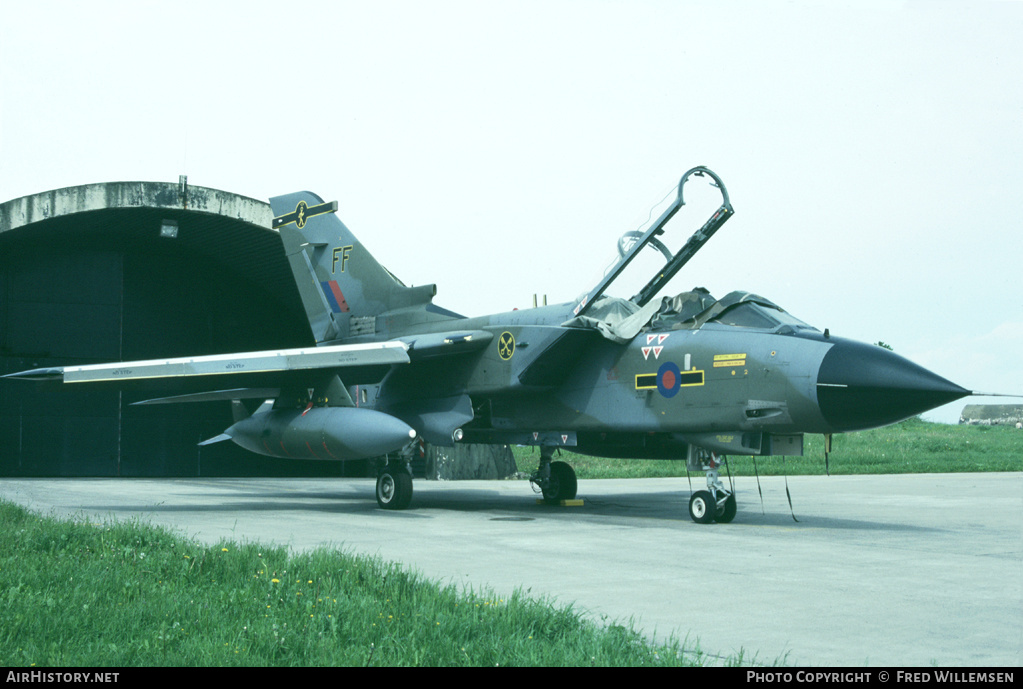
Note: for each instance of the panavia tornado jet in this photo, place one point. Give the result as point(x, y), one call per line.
point(644, 376)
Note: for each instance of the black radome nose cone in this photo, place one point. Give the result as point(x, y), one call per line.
point(863, 386)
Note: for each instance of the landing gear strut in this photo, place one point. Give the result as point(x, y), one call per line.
point(556, 480)
point(717, 503)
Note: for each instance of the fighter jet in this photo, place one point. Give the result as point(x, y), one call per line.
point(685, 376)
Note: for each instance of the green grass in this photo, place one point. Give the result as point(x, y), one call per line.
point(911, 447)
point(79, 594)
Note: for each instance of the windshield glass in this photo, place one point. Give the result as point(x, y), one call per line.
point(691, 310)
point(746, 316)
point(753, 315)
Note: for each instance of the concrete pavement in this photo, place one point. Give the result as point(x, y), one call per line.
point(879, 570)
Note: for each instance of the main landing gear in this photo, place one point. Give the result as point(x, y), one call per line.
point(717, 503)
point(556, 480)
point(394, 484)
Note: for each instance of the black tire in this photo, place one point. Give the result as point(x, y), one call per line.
point(702, 508)
point(727, 512)
point(394, 488)
point(563, 484)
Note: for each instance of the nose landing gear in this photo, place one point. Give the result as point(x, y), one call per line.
point(717, 503)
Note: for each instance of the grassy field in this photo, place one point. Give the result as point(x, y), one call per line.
point(77, 594)
point(911, 447)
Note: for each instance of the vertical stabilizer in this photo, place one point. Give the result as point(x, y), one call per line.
point(343, 288)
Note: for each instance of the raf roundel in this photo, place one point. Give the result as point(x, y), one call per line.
point(669, 379)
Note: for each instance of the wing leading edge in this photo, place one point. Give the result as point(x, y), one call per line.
point(271, 361)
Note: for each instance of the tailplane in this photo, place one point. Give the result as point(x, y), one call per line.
point(343, 288)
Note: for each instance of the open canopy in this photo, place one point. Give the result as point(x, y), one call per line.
point(631, 244)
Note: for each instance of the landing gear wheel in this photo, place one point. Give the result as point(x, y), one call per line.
point(726, 513)
point(394, 488)
point(717, 503)
point(562, 485)
point(702, 508)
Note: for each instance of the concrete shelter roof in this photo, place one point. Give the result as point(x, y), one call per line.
point(234, 231)
point(109, 195)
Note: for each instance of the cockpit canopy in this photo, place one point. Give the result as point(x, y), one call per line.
point(621, 319)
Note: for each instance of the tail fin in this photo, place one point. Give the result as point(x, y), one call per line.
point(343, 288)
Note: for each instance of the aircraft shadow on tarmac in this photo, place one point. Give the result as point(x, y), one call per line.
point(620, 509)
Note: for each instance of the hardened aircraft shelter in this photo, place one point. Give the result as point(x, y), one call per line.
point(126, 271)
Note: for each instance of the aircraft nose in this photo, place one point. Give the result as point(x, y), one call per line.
point(863, 386)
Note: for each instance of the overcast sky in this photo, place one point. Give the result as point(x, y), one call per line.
point(872, 150)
